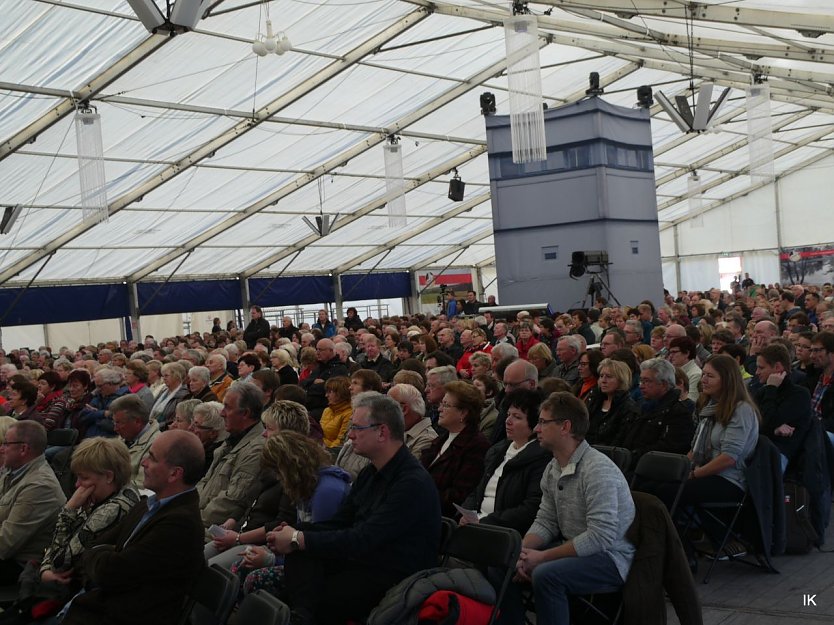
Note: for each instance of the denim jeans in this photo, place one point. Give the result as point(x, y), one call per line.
point(553, 581)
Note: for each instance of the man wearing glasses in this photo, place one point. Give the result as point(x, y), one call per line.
point(583, 549)
point(387, 528)
point(30, 498)
point(820, 384)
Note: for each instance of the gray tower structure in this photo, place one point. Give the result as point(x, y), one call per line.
point(595, 191)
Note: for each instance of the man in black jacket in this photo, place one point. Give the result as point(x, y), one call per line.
point(664, 423)
point(387, 528)
point(820, 384)
point(329, 366)
point(785, 406)
point(375, 361)
point(258, 327)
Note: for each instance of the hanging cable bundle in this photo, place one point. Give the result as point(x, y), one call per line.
point(91, 165)
point(395, 183)
point(521, 37)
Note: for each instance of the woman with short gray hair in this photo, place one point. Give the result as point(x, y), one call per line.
point(198, 384)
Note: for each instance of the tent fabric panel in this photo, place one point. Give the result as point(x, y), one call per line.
point(58, 304)
point(291, 290)
point(157, 298)
point(376, 286)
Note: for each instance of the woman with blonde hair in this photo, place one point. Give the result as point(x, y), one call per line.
point(103, 495)
point(610, 403)
point(281, 361)
point(315, 487)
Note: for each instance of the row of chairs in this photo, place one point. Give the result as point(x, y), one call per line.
point(657, 467)
point(213, 597)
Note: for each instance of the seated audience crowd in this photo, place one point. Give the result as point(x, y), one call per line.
point(317, 458)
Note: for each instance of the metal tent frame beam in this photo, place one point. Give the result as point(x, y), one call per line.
point(718, 13)
point(330, 71)
point(727, 177)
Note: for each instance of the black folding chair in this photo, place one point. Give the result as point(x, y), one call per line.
point(262, 608)
point(659, 468)
point(619, 456)
point(486, 546)
point(447, 526)
point(65, 440)
point(212, 597)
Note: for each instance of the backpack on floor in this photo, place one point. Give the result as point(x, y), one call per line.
point(800, 533)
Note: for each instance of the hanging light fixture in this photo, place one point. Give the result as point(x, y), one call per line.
point(271, 43)
point(695, 200)
point(91, 173)
point(759, 132)
point(521, 38)
point(179, 16)
point(395, 182)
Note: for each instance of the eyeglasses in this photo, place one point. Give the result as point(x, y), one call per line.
point(200, 426)
point(358, 428)
point(444, 404)
point(674, 351)
point(647, 381)
point(543, 422)
point(10, 443)
point(817, 350)
point(516, 384)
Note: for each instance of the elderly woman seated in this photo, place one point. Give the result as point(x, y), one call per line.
point(103, 495)
point(199, 384)
point(455, 459)
point(209, 426)
point(174, 392)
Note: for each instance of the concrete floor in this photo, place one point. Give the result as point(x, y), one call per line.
point(741, 595)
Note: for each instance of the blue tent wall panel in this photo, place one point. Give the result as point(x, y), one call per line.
point(61, 304)
point(376, 286)
point(192, 296)
point(291, 290)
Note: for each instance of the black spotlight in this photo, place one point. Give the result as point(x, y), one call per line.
point(487, 103)
point(594, 88)
point(456, 187)
point(577, 265)
point(644, 97)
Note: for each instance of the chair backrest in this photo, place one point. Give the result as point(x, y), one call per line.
point(447, 526)
point(62, 437)
point(486, 546)
point(214, 595)
point(262, 608)
point(618, 455)
point(656, 467)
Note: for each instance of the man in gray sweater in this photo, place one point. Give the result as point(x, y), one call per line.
point(577, 543)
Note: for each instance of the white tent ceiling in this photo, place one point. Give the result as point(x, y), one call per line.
point(213, 154)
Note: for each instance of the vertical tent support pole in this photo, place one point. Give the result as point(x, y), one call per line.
point(337, 294)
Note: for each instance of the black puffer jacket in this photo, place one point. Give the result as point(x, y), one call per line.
point(666, 425)
point(605, 427)
point(519, 493)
